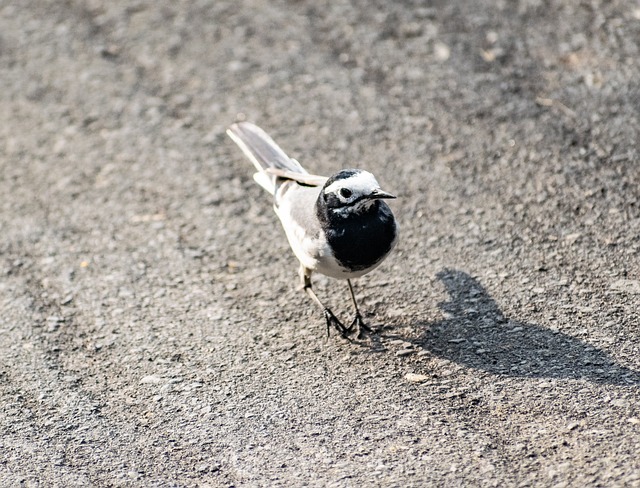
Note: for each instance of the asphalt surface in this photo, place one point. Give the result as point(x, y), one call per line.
point(152, 332)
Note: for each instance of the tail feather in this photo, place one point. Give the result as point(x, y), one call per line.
point(263, 152)
point(265, 181)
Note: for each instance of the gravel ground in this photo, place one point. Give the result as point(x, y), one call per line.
point(151, 329)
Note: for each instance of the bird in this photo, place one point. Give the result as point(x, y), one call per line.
point(339, 226)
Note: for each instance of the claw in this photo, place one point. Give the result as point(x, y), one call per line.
point(358, 322)
point(333, 320)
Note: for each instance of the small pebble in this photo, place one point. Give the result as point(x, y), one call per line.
point(621, 403)
point(441, 51)
point(52, 326)
point(572, 426)
point(626, 286)
point(415, 378)
point(151, 379)
point(404, 352)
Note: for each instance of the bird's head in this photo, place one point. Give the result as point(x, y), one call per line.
point(352, 191)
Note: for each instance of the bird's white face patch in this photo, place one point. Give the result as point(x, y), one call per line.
point(358, 185)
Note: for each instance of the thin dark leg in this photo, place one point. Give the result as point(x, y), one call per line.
point(329, 316)
point(358, 318)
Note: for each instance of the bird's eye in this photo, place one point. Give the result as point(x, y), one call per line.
point(345, 192)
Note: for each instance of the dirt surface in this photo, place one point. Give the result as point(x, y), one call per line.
point(151, 328)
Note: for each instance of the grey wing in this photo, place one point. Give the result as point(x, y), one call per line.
point(295, 206)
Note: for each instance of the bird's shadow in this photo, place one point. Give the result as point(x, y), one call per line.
point(475, 333)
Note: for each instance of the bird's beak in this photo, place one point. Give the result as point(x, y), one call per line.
point(378, 193)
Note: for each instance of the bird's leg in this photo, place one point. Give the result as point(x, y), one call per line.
point(358, 318)
point(329, 316)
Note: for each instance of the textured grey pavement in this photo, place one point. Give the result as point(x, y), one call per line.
point(151, 329)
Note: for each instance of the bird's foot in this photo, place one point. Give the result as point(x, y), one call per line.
point(358, 323)
point(332, 320)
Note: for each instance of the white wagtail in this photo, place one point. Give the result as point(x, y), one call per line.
point(338, 226)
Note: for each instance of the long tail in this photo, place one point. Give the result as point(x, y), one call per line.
point(263, 153)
